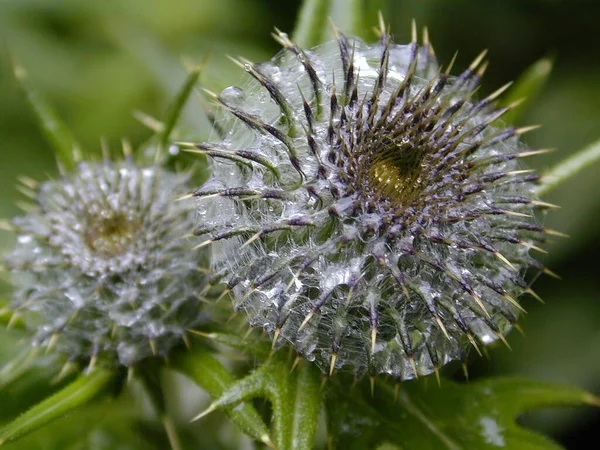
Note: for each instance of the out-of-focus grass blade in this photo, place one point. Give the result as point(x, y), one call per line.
point(527, 87)
point(175, 109)
point(17, 366)
point(57, 134)
point(311, 23)
point(313, 20)
point(8, 317)
point(569, 167)
point(348, 15)
point(78, 393)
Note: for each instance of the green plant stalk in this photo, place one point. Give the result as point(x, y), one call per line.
point(149, 375)
point(569, 167)
point(80, 392)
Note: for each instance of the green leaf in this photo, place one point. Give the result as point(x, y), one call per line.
point(18, 366)
point(294, 393)
point(176, 108)
point(569, 167)
point(527, 88)
point(8, 316)
point(106, 425)
point(348, 16)
point(477, 415)
point(199, 365)
point(57, 134)
point(80, 392)
point(311, 23)
point(313, 20)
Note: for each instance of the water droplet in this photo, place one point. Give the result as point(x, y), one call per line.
point(232, 95)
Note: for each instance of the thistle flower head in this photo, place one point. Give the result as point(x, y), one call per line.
point(100, 268)
point(366, 208)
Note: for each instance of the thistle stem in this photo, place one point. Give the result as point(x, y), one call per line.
point(150, 379)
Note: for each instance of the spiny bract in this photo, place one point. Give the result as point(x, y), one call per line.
point(363, 206)
point(100, 268)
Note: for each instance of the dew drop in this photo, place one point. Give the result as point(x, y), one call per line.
point(232, 95)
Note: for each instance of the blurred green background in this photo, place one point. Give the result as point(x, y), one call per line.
point(98, 61)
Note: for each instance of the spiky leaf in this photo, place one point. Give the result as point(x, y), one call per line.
point(80, 392)
point(294, 394)
point(211, 375)
point(477, 415)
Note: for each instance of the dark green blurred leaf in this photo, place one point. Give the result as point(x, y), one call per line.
point(311, 23)
point(527, 88)
point(109, 425)
point(478, 415)
point(55, 131)
point(570, 167)
point(78, 393)
point(566, 326)
point(176, 108)
point(348, 16)
point(18, 366)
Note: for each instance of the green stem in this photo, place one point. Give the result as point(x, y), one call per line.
point(80, 392)
point(149, 375)
point(569, 167)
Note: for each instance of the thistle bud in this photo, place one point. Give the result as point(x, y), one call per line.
point(367, 209)
point(101, 269)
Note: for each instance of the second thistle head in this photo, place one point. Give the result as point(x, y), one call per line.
point(101, 269)
point(366, 208)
